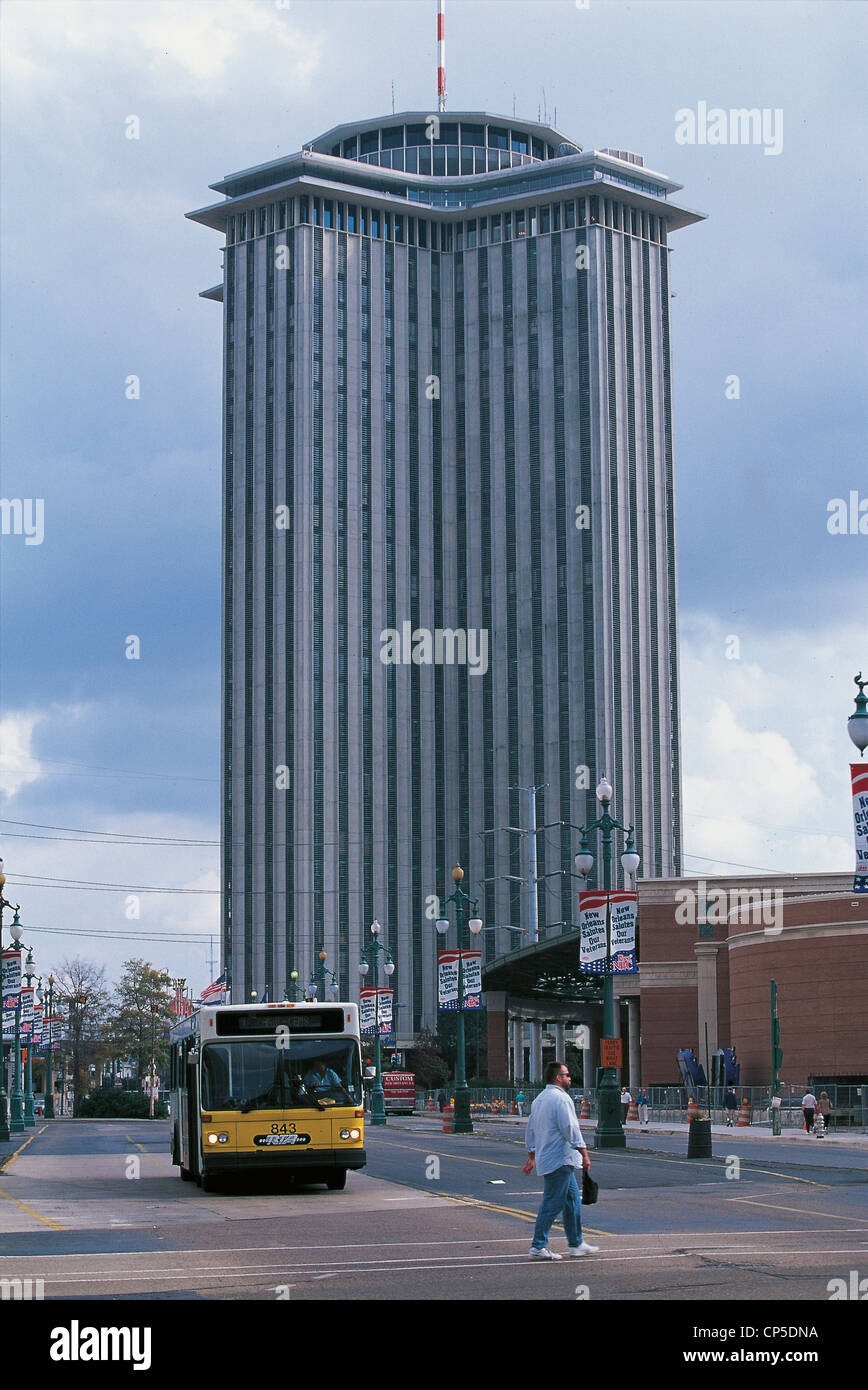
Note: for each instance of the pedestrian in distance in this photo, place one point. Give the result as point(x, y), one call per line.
point(558, 1153)
point(809, 1105)
point(626, 1102)
point(441, 1099)
point(730, 1105)
point(825, 1108)
point(643, 1102)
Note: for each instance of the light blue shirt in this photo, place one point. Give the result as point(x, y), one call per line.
point(553, 1135)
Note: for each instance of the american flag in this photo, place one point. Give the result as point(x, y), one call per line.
point(216, 992)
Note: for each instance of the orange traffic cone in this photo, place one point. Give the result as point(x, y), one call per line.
point(585, 1112)
point(633, 1112)
point(430, 1105)
point(692, 1109)
point(744, 1112)
point(448, 1113)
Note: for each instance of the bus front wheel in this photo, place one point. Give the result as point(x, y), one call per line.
point(336, 1182)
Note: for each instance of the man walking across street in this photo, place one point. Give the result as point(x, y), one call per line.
point(558, 1152)
point(809, 1105)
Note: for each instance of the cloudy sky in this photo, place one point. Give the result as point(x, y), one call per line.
point(119, 758)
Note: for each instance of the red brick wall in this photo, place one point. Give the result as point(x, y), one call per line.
point(668, 1024)
point(821, 1005)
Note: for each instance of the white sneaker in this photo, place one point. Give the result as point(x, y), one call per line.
point(544, 1254)
point(575, 1251)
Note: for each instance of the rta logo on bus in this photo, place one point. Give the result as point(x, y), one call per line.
point(273, 1140)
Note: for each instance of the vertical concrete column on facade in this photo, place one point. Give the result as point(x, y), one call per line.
point(536, 1032)
point(706, 1001)
point(517, 1050)
point(560, 1048)
point(498, 1038)
point(633, 1041)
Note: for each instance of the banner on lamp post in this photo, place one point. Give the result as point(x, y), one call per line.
point(623, 910)
point(26, 1022)
point(471, 978)
point(9, 1003)
point(11, 972)
point(859, 781)
point(375, 1012)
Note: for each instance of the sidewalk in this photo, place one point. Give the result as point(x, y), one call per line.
point(846, 1138)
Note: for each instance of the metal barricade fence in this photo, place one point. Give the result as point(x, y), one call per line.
point(669, 1104)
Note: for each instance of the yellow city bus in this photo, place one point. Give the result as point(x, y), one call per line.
point(267, 1088)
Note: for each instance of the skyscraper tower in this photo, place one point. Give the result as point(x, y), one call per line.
point(449, 532)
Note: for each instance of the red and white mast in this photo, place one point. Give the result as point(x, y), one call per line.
point(441, 66)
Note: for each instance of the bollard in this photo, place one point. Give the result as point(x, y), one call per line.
point(699, 1138)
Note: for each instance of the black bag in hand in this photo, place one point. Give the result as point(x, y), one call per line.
point(589, 1189)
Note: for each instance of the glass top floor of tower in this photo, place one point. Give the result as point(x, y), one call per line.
point(451, 161)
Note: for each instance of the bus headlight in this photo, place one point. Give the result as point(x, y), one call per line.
point(222, 1138)
point(351, 1134)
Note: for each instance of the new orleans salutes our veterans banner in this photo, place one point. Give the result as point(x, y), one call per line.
point(471, 978)
point(375, 1011)
point(859, 778)
point(622, 927)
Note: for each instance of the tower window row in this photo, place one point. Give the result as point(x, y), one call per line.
point(445, 236)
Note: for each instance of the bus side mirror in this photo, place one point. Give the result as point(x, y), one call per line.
point(192, 1058)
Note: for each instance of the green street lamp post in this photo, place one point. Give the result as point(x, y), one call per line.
point(47, 1018)
point(5, 1133)
point(49, 1074)
point(292, 990)
point(462, 1123)
point(29, 1115)
point(378, 1099)
point(857, 724)
point(318, 982)
point(16, 1099)
point(610, 1131)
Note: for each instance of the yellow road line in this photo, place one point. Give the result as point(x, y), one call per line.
point(693, 1163)
point(634, 1153)
point(55, 1225)
point(7, 1162)
point(463, 1158)
point(508, 1211)
point(825, 1215)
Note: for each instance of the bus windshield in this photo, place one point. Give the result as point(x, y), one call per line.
point(309, 1073)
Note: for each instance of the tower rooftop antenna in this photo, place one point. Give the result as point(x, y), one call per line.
point(441, 55)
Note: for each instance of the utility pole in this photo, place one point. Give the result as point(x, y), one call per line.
point(777, 1054)
point(532, 879)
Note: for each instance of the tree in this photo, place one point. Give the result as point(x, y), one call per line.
point(427, 1062)
point(141, 1016)
point(81, 994)
point(475, 1040)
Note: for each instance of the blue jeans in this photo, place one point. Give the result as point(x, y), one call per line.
point(560, 1194)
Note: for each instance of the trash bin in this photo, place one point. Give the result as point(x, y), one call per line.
point(699, 1138)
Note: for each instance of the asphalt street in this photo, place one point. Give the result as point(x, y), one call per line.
point(97, 1212)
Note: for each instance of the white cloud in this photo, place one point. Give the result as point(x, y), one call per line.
point(102, 926)
point(765, 748)
point(196, 43)
point(18, 766)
